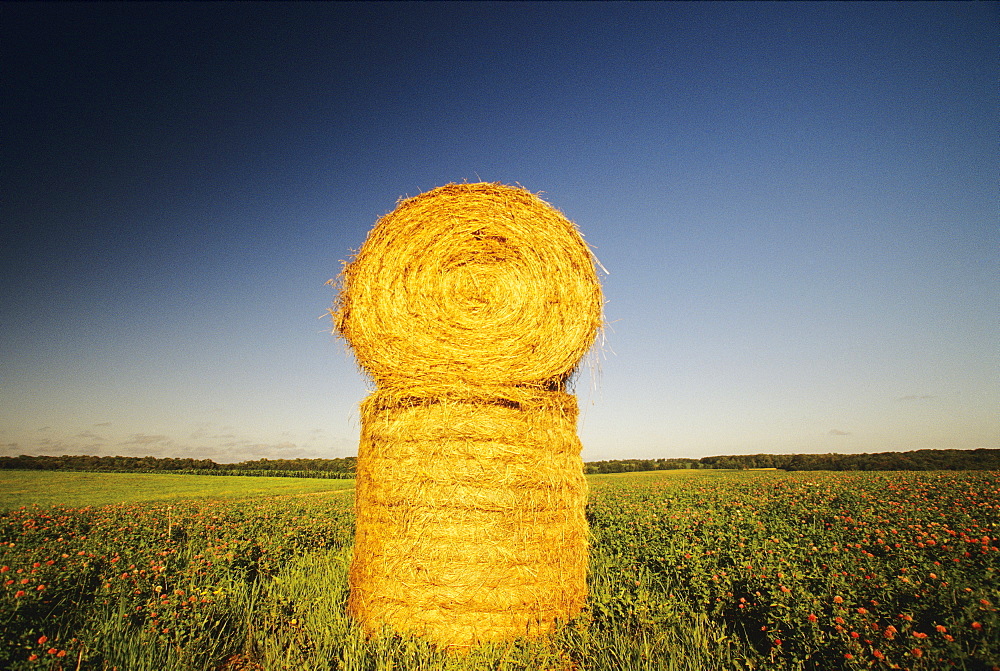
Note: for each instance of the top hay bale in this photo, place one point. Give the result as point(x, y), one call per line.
point(470, 286)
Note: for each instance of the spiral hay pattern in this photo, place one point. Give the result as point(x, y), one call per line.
point(469, 306)
point(479, 284)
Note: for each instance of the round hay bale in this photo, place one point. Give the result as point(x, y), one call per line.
point(470, 517)
point(471, 284)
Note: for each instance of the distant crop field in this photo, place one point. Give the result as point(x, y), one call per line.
point(25, 488)
point(704, 571)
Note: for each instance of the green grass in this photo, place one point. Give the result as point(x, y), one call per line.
point(638, 477)
point(47, 488)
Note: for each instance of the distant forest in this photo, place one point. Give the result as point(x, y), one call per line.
point(919, 460)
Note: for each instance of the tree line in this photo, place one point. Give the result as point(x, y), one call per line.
point(981, 459)
point(344, 467)
point(315, 468)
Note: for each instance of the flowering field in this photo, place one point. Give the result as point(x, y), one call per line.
point(821, 570)
point(690, 570)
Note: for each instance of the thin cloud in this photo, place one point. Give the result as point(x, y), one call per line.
point(103, 424)
point(145, 439)
point(259, 447)
point(837, 432)
point(916, 397)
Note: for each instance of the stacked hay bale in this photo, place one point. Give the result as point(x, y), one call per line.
point(469, 306)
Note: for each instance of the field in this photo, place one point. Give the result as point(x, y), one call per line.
point(693, 570)
point(46, 488)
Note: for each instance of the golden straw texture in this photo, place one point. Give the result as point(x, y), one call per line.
point(474, 284)
point(469, 306)
point(470, 518)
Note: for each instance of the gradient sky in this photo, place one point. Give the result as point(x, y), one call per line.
point(797, 205)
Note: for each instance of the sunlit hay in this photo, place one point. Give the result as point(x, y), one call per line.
point(470, 518)
point(469, 306)
point(476, 284)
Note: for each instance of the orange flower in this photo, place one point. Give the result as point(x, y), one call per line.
point(812, 617)
point(917, 652)
point(941, 628)
point(976, 625)
point(838, 599)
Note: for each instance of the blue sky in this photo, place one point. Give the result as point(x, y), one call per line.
point(797, 205)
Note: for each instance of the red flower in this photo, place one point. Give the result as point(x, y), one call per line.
point(19, 594)
point(976, 625)
point(812, 617)
point(917, 652)
point(42, 639)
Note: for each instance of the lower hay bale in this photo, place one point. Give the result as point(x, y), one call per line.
point(470, 518)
